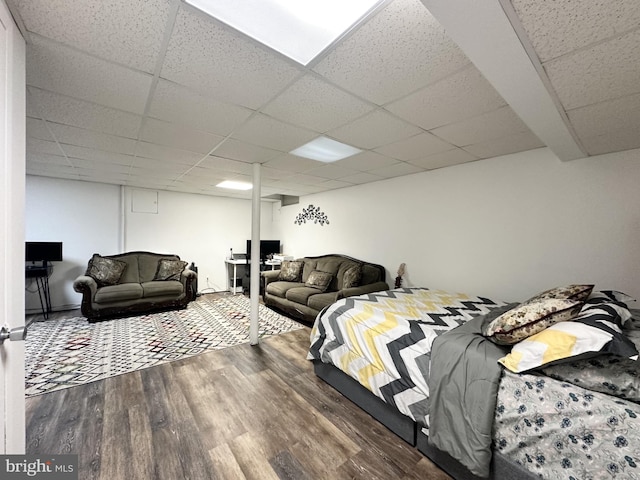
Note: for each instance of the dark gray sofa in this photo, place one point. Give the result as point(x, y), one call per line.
point(134, 283)
point(304, 302)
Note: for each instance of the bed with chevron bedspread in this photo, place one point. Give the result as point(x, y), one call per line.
point(576, 420)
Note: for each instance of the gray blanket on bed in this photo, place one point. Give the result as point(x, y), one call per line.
point(463, 387)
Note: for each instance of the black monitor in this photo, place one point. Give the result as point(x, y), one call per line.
point(43, 251)
point(267, 247)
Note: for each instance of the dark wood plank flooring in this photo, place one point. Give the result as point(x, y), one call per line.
point(244, 412)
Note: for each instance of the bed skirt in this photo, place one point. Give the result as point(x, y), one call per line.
point(408, 430)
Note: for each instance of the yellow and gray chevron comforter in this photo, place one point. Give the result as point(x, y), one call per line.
point(383, 340)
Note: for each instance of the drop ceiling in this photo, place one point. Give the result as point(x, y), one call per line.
point(156, 94)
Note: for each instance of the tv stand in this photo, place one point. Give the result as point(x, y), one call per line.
point(41, 273)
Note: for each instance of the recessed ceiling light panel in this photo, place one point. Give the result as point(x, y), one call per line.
point(326, 150)
point(230, 184)
point(299, 29)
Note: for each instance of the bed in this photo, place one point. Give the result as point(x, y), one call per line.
point(408, 356)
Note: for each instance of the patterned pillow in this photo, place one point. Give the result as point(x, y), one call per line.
point(319, 280)
point(352, 277)
point(105, 271)
point(530, 318)
point(169, 269)
point(570, 292)
point(610, 301)
point(593, 332)
point(290, 271)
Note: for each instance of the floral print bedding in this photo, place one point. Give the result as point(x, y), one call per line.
point(562, 431)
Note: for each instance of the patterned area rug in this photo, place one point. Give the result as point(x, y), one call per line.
point(68, 352)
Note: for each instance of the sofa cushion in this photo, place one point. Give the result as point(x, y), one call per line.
point(319, 280)
point(321, 300)
point(169, 269)
point(105, 271)
point(279, 289)
point(301, 294)
point(159, 288)
point(117, 293)
point(352, 276)
point(290, 271)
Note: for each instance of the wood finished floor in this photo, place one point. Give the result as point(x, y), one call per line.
point(243, 412)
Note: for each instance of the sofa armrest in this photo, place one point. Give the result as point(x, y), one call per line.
point(362, 289)
point(270, 276)
point(86, 285)
point(187, 278)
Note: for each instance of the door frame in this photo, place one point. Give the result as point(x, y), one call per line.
point(12, 227)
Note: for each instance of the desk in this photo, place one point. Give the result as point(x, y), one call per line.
point(233, 277)
point(231, 281)
point(41, 274)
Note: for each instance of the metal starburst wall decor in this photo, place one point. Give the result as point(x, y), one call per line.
point(311, 213)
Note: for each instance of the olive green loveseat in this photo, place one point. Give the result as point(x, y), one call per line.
point(134, 283)
point(319, 282)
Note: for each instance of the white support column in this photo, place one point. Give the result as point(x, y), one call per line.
point(255, 255)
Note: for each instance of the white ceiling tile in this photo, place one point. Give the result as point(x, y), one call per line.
point(304, 179)
point(153, 166)
point(444, 159)
point(74, 151)
point(503, 146)
point(35, 145)
point(227, 165)
point(463, 95)
point(312, 103)
point(37, 128)
point(119, 30)
point(78, 113)
point(561, 26)
point(69, 72)
point(397, 170)
point(267, 173)
point(271, 133)
point(54, 171)
point(177, 104)
point(172, 135)
point(602, 72)
point(245, 152)
point(292, 163)
point(213, 58)
point(417, 146)
point(362, 177)
point(165, 153)
point(335, 184)
point(499, 123)
point(366, 161)
point(66, 134)
point(608, 126)
point(374, 130)
point(332, 171)
point(48, 159)
point(398, 51)
point(97, 167)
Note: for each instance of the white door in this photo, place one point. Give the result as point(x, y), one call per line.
point(12, 193)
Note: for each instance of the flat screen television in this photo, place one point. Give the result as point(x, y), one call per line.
point(267, 247)
point(43, 251)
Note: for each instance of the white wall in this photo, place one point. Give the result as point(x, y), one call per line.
point(84, 216)
point(199, 228)
point(97, 218)
point(506, 227)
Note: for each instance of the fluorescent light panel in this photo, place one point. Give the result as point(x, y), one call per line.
point(299, 29)
point(326, 150)
point(230, 184)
